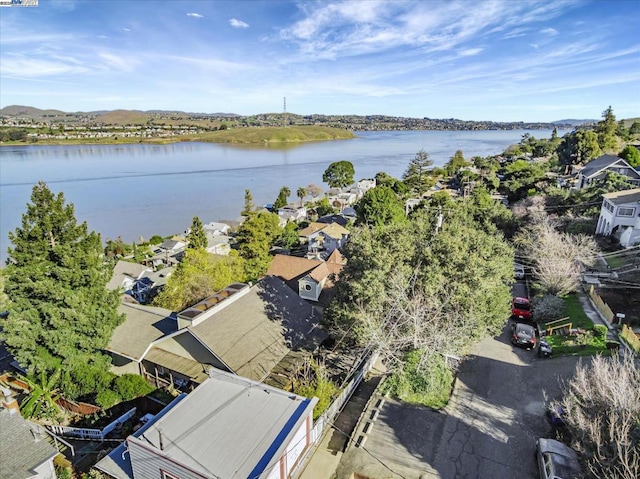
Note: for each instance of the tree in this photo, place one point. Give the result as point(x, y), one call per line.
point(418, 176)
point(62, 315)
point(197, 238)
point(380, 206)
point(40, 402)
point(606, 130)
point(314, 190)
point(558, 258)
point(587, 146)
point(255, 237)
point(199, 275)
point(301, 193)
point(602, 413)
point(290, 237)
point(249, 206)
point(631, 154)
point(634, 129)
point(339, 174)
point(282, 198)
point(455, 163)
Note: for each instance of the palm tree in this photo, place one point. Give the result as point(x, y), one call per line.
point(301, 193)
point(41, 401)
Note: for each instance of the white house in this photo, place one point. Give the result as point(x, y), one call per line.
point(366, 184)
point(599, 167)
point(292, 213)
point(324, 237)
point(227, 427)
point(216, 228)
point(620, 216)
point(125, 275)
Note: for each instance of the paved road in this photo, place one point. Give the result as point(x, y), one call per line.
point(487, 430)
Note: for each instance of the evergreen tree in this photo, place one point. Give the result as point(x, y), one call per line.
point(282, 198)
point(197, 237)
point(61, 312)
point(454, 164)
point(418, 175)
point(606, 130)
point(249, 206)
point(255, 238)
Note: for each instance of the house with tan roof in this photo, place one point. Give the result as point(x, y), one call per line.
point(323, 237)
point(261, 332)
point(310, 278)
point(620, 216)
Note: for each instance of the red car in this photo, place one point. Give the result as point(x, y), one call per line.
point(521, 308)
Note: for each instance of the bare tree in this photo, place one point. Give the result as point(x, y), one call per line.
point(559, 258)
point(314, 190)
point(602, 407)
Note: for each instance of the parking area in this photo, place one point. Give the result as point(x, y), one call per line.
point(488, 429)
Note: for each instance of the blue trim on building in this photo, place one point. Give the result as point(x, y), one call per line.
point(277, 442)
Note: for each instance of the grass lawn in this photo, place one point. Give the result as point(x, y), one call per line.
point(592, 341)
point(616, 261)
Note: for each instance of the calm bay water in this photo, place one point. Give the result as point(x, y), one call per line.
point(141, 190)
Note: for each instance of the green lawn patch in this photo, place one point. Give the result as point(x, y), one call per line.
point(616, 261)
point(592, 341)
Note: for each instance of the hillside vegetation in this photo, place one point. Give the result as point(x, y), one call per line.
point(273, 135)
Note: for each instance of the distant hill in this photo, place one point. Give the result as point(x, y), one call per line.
point(28, 111)
point(123, 117)
point(573, 122)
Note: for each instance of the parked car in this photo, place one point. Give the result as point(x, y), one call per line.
point(557, 460)
point(524, 335)
point(518, 271)
point(521, 308)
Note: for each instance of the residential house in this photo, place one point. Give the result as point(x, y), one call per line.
point(292, 213)
point(258, 332)
point(598, 168)
point(620, 216)
point(168, 253)
point(310, 278)
point(227, 427)
point(341, 219)
point(217, 228)
point(125, 274)
point(218, 244)
point(324, 237)
point(24, 450)
point(366, 184)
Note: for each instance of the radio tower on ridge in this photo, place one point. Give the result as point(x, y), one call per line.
point(285, 113)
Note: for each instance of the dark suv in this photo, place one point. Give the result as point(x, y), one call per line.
point(523, 335)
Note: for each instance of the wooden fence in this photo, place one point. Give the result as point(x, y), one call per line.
point(630, 338)
point(601, 305)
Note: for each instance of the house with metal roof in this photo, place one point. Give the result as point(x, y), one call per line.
point(620, 216)
point(24, 450)
point(598, 168)
point(227, 427)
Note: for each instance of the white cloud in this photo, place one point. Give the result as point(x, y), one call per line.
point(30, 67)
point(194, 15)
point(469, 52)
point(235, 23)
point(115, 62)
point(549, 31)
point(126, 29)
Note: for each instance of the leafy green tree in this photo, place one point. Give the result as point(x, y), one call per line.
point(62, 315)
point(199, 275)
point(634, 129)
point(324, 208)
point(155, 240)
point(301, 193)
point(117, 248)
point(606, 130)
point(587, 146)
point(40, 402)
point(380, 206)
point(282, 199)
point(418, 176)
point(631, 154)
point(249, 206)
point(455, 163)
point(522, 176)
point(622, 131)
point(385, 179)
point(255, 238)
point(197, 238)
point(339, 174)
point(290, 238)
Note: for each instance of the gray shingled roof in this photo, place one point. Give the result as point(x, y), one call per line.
point(252, 334)
point(624, 196)
point(20, 452)
point(142, 326)
point(125, 269)
point(229, 427)
point(597, 165)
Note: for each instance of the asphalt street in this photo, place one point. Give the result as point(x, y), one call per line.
point(488, 429)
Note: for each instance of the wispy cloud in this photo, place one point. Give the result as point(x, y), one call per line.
point(470, 52)
point(549, 31)
point(32, 67)
point(194, 15)
point(235, 23)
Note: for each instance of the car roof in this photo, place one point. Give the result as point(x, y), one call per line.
point(565, 459)
point(518, 299)
point(526, 327)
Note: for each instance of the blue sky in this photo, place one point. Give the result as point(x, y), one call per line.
point(474, 60)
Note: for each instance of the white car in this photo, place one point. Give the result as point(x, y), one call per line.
point(518, 271)
point(557, 460)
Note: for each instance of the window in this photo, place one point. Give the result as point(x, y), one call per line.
point(307, 287)
point(167, 475)
point(623, 211)
point(608, 206)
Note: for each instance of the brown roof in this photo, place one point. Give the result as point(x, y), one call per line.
point(312, 228)
point(320, 272)
point(337, 258)
point(290, 268)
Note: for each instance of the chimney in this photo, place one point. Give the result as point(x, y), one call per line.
point(9, 402)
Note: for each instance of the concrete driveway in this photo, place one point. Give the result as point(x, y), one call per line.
point(488, 429)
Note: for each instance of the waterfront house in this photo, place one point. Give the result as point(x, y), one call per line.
point(598, 168)
point(227, 427)
point(620, 216)
point(292, 213)
point(125, 274)
point(324, 237)
point(217, 228)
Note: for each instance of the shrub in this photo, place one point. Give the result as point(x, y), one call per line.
point(131, 386)
point(107, 398)
point(548, 308)
point(600, 331)
point(313, 382)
